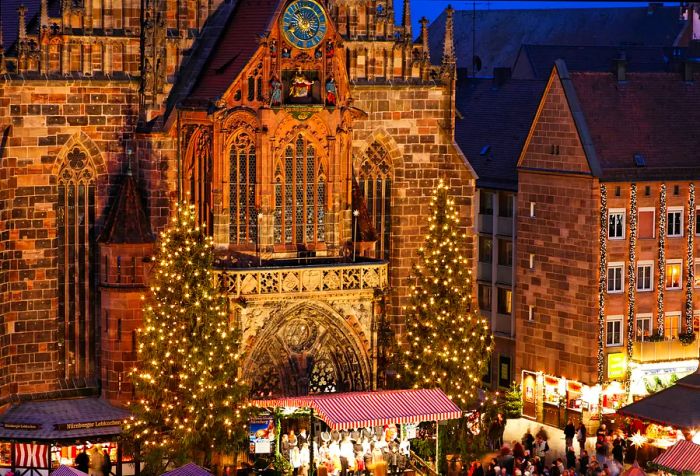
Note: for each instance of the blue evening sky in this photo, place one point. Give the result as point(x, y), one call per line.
point(431, 9)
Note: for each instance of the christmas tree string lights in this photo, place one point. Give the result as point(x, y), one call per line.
point(690, 282)
point(448, 343)
point(602, 280)
point(662, 263)
point(631, 283)
point(189, 396)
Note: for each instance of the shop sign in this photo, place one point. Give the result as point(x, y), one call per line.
point(616, 365)
point(262, 433)
point(87, 425)
point(21, 426)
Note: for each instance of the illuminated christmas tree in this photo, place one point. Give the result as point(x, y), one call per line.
point(447, 343)
point(189, 395)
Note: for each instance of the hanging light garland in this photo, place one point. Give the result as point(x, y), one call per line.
point(662, 263)
point(602, 280)
point(691, 261)
point(631, 281)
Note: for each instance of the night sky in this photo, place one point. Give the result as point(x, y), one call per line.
point(431, 9)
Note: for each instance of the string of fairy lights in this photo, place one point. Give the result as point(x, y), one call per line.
point(631, 282)
point(187, 378)
point(662, 263)
point(602, 280)
point(690, 282)
point(448, 342)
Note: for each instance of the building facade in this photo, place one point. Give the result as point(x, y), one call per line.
point(278, 120)
point(606, 297)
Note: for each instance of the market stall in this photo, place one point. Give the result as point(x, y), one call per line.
point(553, 398)
point(37, 437)
point(681, 458)
point(368, 431)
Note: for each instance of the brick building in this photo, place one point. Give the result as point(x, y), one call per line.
point(606, 295)
point(112, 110)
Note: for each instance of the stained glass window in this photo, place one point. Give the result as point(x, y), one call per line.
point(76, 270)
point(300, 195)
point(244, 219)
point(376, 173)
point(197, 173)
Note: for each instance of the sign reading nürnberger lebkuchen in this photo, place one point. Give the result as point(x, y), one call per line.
point(87, 425)
point(21, 426)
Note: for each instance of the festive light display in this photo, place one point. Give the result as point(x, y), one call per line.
point(448, 342)
point(188, 392)
point(662, 264)
point(689, 283)
point(602, 281)
point(631, 282)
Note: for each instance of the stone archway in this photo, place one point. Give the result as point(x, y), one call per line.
point(304, 350)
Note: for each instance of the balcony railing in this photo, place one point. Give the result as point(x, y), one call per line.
point(664, 350)
point(304, 279)
point(505, 226)
point(483, 271)
point(485, 223)
point(504, 274)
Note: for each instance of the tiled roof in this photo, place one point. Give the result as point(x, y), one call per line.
point(536, 61)
point(64, 470)
point(494, 124)
point(235, 48)
point(500, 33)
point(48, 413)
point(127, 221)
point(649, 114)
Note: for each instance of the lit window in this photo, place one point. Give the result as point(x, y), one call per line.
point(643, 327)
point(674, 223)
point(616, 224)
point(696, 277)
point(672, 324)
point(645, 275)
point(615, 277)
point(674, 276)
point(505, 301)
point(614, 331)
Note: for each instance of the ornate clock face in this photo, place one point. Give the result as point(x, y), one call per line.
point(304, 23)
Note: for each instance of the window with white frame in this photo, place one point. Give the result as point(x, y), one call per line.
point(615, 277)
point(672, 324)
point(674, 274)
point(613, 336)
point(643, 327)
point(645, 275)
point(674, 222)
point(616, 224)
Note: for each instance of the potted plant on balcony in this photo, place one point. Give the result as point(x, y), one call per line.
point(655, 337)
point(686, 338)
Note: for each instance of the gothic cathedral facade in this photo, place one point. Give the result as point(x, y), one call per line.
point(308, 134)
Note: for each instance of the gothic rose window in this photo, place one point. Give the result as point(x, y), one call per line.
point(375, 175)
point(300, 195)
point(75, 218)
point(243, 165)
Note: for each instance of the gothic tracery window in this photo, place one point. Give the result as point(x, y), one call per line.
point(197, 174)
point(375, 176)
point(243, 229)
point(75, 222)
point(300, 195)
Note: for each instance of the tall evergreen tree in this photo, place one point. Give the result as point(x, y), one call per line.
point(189, 396)
point(448, 342)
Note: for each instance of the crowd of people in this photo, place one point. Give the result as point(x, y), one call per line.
point(97, 463)
point(532, 455)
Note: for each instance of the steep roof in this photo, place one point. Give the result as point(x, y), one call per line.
point(234, 49)
point(127, 221)
point(649, 114)
point(500, 33)
point(494, 123)
point(536, 61)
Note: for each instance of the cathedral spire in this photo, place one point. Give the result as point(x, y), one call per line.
point(408, 36)
point(424, 39)
point(448, 52)
point(44, 15)
point(22, 30)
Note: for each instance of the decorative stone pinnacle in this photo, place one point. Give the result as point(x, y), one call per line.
point(448, 52)
point(22, 31)
point(407, 21)
point(424, 38)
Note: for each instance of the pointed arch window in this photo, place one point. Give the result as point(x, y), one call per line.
point(76, 264)
point(243, 166)
point(375, 177)
point(300, 195)
point(197, 176)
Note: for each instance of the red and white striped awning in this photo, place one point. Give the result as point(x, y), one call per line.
point(684, 456)
point(344, 411)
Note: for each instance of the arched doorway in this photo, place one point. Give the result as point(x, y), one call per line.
point(304, 350)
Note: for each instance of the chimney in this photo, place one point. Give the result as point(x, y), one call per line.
point(501, 75)
point(621, 66)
